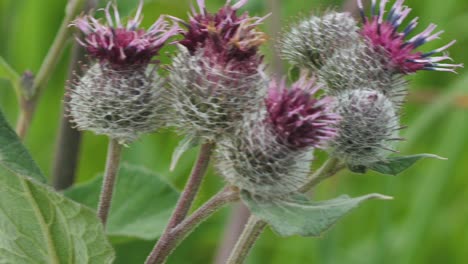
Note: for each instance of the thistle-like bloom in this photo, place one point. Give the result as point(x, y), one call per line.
point(298, 119)
point(255, 162)
point(122, 46)
point(368, 128)
point(360, 67)
point(271, 154)
point(120, 95)
point(120, 104)
point(402, 57)
point(312, 41)
point(218, 73)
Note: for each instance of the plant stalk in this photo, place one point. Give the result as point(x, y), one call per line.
point(331, 167)
point(30, 95)
point(191, 189)
point(171, 239)
point(163, 247)
point(255, 226)
point(112, 168)
point(252, 231)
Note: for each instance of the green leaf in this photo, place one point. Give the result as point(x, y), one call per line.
point(396, 165)
point(7, 72)
point(38, 225)
point(141, 206)
point(299, 216)
point(14, 156)
point(190, 141)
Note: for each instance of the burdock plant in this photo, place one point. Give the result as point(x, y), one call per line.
point(120, 94)
point(263, 133)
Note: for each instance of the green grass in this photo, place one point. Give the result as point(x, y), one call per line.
point(426, 223)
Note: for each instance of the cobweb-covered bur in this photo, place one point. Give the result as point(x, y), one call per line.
point(382, 33)
point(368, 128)
point(120, 94)
point(271, 155)
point(360, 66)
point(217, 75)
point(310, 42)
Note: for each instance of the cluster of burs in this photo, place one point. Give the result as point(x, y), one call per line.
point(217, 90)
point(368, 93)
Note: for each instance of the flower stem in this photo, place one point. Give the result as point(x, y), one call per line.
point(252, 231)
point(255, 226)
point(331, 167)
point(164, 245)
point(171, 239)
point(110, 176)
point(193, 185)
point(30, 95)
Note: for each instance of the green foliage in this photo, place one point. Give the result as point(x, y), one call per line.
point(39, 225)
point(141, 206)
point(396, 165)
point(14, 156)
point(299, 216)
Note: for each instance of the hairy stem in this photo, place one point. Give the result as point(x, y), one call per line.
point(171, 239)
point(331, 167)
point(252, 231)
point(30, 95)
point(255, 226)
point(191, 189)
point(110, 176)
point(163, 247)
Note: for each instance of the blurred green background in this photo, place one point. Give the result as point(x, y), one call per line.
point(426, 223)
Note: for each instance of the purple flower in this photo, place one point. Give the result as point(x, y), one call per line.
point(383, 33)
point(299, 119)
point(123, 45)
point(225, 37)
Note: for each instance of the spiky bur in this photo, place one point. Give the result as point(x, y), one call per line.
point(255, 162)
point(208, 101)
point(120, 95)
point(309, 43)
point(270, 157)
point(402, 56)
point(360, 66)
point(121, 105)
point(368, 128)
point(218, 74)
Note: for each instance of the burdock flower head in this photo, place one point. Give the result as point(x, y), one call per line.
point(122, 46)
point(272, 153)
point(297, 118)
point(309, 43)
point(382, 34)
point(120, 95)
point(368, 128)
point(218, 73)
point(361, 66)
